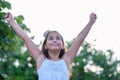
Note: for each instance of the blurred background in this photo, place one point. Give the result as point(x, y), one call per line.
point(69, 17)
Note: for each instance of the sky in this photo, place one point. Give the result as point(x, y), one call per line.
point(69, 17)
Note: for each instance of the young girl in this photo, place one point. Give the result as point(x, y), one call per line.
point(52, 61)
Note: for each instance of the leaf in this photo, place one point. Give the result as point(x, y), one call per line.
point(7, 5)
point(2, 14)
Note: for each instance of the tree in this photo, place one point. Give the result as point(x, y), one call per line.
point(91, 64)
point(15, 64)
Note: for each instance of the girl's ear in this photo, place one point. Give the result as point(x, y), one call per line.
point(45, 46)
point(62, 47)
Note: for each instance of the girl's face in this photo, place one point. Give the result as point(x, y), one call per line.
point(54, 42)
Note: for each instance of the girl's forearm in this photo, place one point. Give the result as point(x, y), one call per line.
point(82, 35)
point(18, 29)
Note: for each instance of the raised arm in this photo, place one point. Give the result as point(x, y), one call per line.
point(33, 50)
point(80, 38)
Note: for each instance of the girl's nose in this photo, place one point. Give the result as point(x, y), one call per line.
point(54, 40)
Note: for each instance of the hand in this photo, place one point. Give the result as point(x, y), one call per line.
point(8, 16)
point(93, 17)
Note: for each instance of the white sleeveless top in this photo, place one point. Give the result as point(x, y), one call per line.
point(53, 70)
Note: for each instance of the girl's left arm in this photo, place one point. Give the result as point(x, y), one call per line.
point(71, 53)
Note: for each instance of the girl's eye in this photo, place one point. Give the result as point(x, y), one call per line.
point(51, 38)
point(58, 38)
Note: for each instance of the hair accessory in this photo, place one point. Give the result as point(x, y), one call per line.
point(46, 33)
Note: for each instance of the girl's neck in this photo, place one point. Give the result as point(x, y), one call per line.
point(54, 56)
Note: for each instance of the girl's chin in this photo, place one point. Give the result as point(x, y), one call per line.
point(55, 49)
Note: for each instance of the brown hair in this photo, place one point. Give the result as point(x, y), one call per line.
point(45, 51)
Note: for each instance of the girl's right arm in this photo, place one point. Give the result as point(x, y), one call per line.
point(33, 50)
point(72, 52)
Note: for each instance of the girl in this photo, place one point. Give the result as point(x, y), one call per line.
point(52, 61)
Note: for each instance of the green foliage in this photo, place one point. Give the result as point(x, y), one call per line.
point(95, 64)
point(4, 4)
point(15, 64)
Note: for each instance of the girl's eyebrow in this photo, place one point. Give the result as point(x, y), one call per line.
point(51, 36)
point(58, 36)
